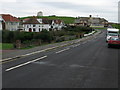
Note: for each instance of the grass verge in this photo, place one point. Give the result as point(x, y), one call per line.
point(4, 46)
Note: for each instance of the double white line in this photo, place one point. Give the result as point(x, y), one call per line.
point(20, 65)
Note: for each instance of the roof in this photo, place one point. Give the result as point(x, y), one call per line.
point(26, 19)
point(9, 18)
point(46, 21)
point(35, 20)
point(32, 21)
point(113, 29)
point(57, 21)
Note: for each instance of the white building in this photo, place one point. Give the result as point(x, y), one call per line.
point(37, 25)
point(40, 13)
point(57, 24)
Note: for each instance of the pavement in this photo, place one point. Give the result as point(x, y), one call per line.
point(87, 64)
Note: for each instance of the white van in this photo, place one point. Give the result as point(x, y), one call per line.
point(112, 32)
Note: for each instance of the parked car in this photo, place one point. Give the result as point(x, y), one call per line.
point(114, 41)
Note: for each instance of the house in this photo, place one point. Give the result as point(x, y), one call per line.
point(35, 25)
point(57, 24)
point(38, 24)
point(9, 22)
point(97, 22)
point(91, 21)
point(81, 21)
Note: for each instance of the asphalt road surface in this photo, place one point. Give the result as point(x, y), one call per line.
point(89, 64)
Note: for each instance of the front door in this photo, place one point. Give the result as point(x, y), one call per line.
point(30, 30)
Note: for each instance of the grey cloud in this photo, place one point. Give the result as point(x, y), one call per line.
point(30, 8)
point(79, 8)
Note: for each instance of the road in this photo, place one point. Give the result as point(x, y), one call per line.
point(88, 64)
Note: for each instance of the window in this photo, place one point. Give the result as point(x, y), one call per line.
point(27, 26)
point(34, 29)
point(39, 29)
point(33, 25)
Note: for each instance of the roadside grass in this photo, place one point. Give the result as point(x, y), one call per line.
point(4, 46)
point(29, 47)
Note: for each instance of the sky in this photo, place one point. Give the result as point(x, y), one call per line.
point(107, 9)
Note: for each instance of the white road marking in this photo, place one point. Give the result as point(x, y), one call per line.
point(5, 59)
point(20, 65)
point(30, 53)
point(76, 45)
point(8, 58)
point(63, 50)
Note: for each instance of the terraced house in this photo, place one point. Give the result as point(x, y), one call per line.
point(38, 24)
point(35, 25)
point(9, 22)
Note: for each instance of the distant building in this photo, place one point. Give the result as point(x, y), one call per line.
point(81, 21)
point(9, 22)
point(91, 21)
point(40, 13)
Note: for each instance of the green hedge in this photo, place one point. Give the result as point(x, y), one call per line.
point(44, 36)
point(12, 36)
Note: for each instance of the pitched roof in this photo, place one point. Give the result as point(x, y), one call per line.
point(45, 21)
point(9, 18)
point(57, 21)
point(32, 21)
point(26, 19)
point(50, 21)
point(35, 20)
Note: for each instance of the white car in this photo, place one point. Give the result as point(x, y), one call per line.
point(109, 35)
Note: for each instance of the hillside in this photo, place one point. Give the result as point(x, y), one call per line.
point(67, 20)
point(116, 26)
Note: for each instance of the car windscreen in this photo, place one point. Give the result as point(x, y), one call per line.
point(112, 34)
point(116, 39)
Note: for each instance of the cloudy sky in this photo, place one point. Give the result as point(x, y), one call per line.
point(98, 8)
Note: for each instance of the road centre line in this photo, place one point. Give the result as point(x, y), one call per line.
point(29, 54)
point(5, 59)
point(39, 51)
point(20, 65)
point(63, 50)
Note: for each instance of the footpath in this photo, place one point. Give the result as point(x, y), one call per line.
point(11, 54)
